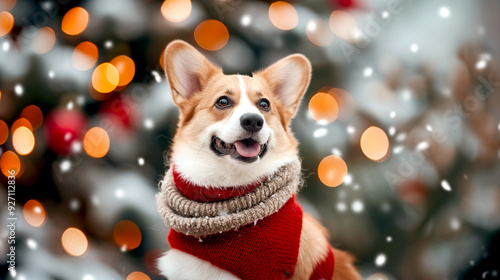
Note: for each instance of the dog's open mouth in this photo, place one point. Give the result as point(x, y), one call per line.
point(247, 150)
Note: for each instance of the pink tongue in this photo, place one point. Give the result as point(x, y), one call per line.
point(247, 151)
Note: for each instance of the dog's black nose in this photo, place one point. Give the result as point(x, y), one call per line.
point(252, 122)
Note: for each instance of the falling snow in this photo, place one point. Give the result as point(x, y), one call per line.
point(108, 44)
point(392, 131)
point(246, 20)
point(149, 124)
point(444, 12)
point(351, 129)
point(357, 206)
point(18, 89)
point(320, 132)
point(445, 185)
point(65, 165)
point(380, 260)
point(32, 244)
point(455, 223)
point(414, 48)
point(341, 207)
point(140, 161)
point(423, 146)
point(119, 193)
point(368, 72)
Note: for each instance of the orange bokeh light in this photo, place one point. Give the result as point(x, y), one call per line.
point(343, 25)
point(74, 242)
point(23, 140)
point(126, 69)
point(34, 213)
point(319, 32)
point(10, 161)
point(176, 10)
point(96, 142)
point(6, 5)
point(34, 115)
point(21, 122)
point(84, 56)
point(44, 40)
point(332, 170)
point(4, 132)
point(137, 275)
point(211, 35)
point(283, 15)
point(127, 235)
point(6, 23)
point(105, 78)
point(375, 143)
point(323, 107)
point(75, 21)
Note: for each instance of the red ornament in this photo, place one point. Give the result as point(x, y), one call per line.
point(62, 127)
point(121, 109)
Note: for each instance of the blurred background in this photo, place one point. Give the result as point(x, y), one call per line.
point(399, 131)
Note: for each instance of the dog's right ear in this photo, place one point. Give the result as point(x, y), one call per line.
point(187, 70)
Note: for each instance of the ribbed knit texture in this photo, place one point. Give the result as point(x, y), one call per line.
point(267, 249)
point(324, 269)
point(204, 194)
point(201, 219)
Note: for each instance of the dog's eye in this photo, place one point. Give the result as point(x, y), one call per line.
point(264, 104)
point(223, 102)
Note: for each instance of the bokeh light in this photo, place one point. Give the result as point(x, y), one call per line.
point(6, 23)
point(23, 140)
point(6, 5)
point(319, 33)
point(137, 275)
point(127, 235)
point(96, 142)
point(126, 69)
point(283, 15)
point(345, 101)
point(375, 143)
point(323, 107)
point(34, 115)
point(75, 21)
point(4, 132)
point(10, 161)
point(343, 25)
point(211, 35)
point(21, 122)
point(34, 213)
point(84, 56)
point(74, 242)
point(43, 41)
point(332, 171)
point(105, 78)
point(176, 10)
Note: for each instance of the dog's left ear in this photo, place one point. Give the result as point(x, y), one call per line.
point(289, 79)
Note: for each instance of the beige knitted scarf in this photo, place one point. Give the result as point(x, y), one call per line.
point(200, 219)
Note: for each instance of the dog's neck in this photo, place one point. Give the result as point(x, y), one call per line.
point(210, 194)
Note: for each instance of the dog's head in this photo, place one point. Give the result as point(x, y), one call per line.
point(233, 129)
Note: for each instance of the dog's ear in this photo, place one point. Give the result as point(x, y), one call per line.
point(187, 70)
point(288, 79)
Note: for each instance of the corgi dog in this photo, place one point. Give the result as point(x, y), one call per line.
point(229, 196)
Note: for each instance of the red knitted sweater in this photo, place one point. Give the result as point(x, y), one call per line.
point(267, 249)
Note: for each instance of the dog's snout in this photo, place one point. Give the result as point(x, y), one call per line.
point(252, 122)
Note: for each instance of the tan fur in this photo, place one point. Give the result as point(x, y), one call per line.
point(314, 248)
point(196, 97)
